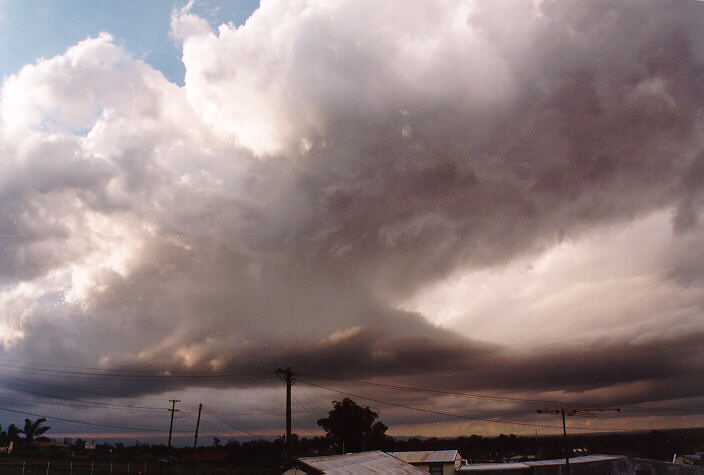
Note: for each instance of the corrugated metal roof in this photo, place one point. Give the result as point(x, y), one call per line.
point(360, 463)
point(582, 459)
point(427, 456)
point(535, 463)
point(494, 466)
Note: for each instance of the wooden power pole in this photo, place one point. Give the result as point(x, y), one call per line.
point(195, 440)
point(172, 410)
point(289, 376)
point(572, 412)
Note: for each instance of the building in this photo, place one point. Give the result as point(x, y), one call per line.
point(358, 463)
point(586, 465)
point(511, 468)
point(7, 450)
point(591, 464)
point(436, 462)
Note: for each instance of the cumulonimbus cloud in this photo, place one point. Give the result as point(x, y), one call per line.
point(324, 162)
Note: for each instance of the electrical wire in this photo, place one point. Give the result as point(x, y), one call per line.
point(176, 376)
point(499, 398)
point(237, 414)
point(92, 392)
point(95, 403)
point(76, 421)
point(231, 425)
point(458, 416)
point(304, 414)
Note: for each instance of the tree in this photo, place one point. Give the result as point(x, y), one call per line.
point(12, 432)
point(352, 427)
point(34, 429)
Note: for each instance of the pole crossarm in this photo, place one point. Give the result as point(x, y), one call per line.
point(573, 412)
point(172, 411)
point(578, 412)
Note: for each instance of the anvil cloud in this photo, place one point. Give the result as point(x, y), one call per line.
point(479, 195)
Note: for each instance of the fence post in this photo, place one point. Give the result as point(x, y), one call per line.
point(91, 468)
point(47, 468)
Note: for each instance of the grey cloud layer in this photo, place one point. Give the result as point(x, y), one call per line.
point(320, 164)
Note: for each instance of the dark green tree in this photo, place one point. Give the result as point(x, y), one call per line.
point(352, 427)
point(34, 429)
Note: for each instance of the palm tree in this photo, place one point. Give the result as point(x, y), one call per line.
point(34, 429)
point(12, 432)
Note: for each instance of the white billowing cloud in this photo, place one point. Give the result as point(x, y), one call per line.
point(322, 167)
point(185, 24)
point(251, 84)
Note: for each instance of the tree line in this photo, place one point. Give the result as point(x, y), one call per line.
point(350, 427)
point(32, 430)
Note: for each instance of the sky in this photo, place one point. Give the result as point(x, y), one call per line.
point(455, 213)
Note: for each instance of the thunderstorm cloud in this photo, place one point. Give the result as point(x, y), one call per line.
point(478, 195)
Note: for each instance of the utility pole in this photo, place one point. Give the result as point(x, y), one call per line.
point(573, 412)
point(289, 375)
point(172, 410)
point(195, 440)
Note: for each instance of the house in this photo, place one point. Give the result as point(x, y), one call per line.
point(604, 464)
point(437, 462)
point(50, 448)
point(585, 465)
point(7, 450)
point(693, 459)
point(510, 468)
point(358, 463)
point(294, 471)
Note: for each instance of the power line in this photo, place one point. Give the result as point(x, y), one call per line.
point(76, 421)
point(231, 425)
point(315, 405)
point(130, 372)
point(237, 414)
point(305, 415)
point(80, 405)
point(458, 416)
point(140, 376)
point(71, 389)
point(53, 365)
point(213, 427)
point(96, 403)
point(497, 398)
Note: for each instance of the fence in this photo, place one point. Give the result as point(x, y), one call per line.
point(107, 468)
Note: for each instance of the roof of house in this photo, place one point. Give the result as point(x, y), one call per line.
point(480, 467)
point(582, 459)
point(49, 443)
point(360, 463)
point(427, 456)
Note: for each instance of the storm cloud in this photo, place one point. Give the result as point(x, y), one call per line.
point(329, 167)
